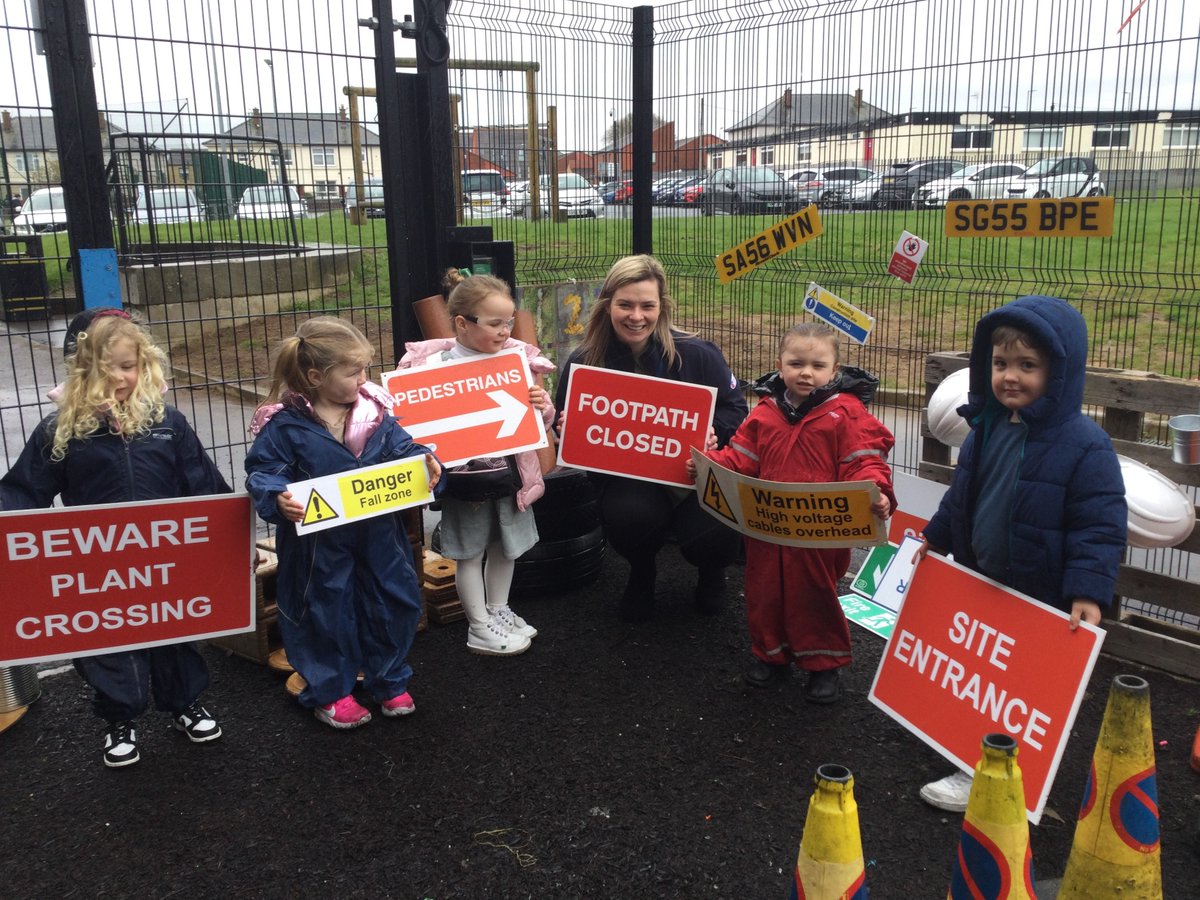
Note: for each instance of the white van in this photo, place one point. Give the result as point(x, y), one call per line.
point(484, 193)
point(270, 201)
point(167, 205)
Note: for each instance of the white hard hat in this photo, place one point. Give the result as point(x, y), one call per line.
point(947, 425)
point(1160, 513)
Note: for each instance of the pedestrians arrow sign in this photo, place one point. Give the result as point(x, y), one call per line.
point(469, 408)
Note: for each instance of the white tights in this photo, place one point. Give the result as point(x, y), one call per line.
point(483, 582)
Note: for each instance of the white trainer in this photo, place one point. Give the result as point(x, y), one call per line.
point(950, 793)
point(493, 639)
point(514, 623)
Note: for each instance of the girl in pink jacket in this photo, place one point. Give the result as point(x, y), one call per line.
point(487, 521)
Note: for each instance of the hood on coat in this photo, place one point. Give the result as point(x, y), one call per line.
point(1058, 328)
point(850, 380)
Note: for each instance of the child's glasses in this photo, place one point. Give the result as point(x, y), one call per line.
point(494, 324)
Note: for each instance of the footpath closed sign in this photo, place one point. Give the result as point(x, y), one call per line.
point(969, 657)
point(95, 579)
point(634, 425)
point(837, 514)
point(468, 408)
point(333, 500)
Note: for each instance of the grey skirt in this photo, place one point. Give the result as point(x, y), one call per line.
point(468, 528)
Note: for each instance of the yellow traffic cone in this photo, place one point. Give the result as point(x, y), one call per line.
point(829, 865)
point(1116, 851)
point(994, 859)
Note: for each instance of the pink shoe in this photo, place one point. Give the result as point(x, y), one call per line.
point(345, 713)
point(400, 705)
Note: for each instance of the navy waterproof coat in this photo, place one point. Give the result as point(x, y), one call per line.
point(1068, 516)
point(348, 597)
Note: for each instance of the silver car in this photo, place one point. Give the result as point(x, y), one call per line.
point(982, 181)
point(1058, 176)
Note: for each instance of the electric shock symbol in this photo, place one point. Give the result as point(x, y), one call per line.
point(318, 510)
point(715, 500)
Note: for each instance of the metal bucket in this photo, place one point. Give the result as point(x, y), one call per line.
point(1185, 439)
point(19, 687)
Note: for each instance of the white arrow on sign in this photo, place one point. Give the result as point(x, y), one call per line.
point(509, 411)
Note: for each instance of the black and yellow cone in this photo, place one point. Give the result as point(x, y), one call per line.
point(829, 865)
point(994, 859)
point(1116, 848)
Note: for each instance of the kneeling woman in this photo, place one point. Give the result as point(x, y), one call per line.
point(629, 330)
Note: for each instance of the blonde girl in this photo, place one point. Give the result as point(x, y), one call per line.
point(487, 521)
point(114, 439)
point(349, 599)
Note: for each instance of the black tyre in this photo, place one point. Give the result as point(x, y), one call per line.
point(1041, 195)
point(960, 194)
point(879, 202)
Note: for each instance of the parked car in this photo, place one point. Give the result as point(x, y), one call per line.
point(749, 189)
point(663, 190)
point(693, 194)
point(372, 203)
point(1058, 176)
point(45, 210)
point(982, 181)
point(678, 198)
point(900, 183)
point(270, 201)
point(575, 196)
point(166, 206)
point(863, 193)
point(518, 197)
point(827, 187)
point(484, 193)
point(608, 190)
point(623, 192)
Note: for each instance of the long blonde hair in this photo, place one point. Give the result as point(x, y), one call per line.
point(320, 343)
point(89, 398)
point(598, 334)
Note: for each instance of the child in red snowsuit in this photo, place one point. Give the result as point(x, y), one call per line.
point(812, 425)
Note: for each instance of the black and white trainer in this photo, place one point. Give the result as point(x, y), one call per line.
point(120, 745)
point(197, 724)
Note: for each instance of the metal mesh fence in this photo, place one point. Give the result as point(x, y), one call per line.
point(233, 96)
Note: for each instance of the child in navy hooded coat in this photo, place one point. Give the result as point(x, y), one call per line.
point(349, 599)
point(1037, 501)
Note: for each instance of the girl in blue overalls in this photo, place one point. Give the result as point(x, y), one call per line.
point(113, 439)
point(349, 599)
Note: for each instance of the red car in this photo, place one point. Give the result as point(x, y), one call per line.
point(693, 194)
point(623, 193)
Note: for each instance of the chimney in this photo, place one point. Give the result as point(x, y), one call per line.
point(256, 119)
point(342, 114)
point(7, 121)
point(787, 98)
point(858, 99)
point(103, 121)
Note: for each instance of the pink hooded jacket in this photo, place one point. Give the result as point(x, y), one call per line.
point(418, 353)
point(372, 404)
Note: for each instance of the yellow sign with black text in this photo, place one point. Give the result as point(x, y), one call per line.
point(388, 487)
point(788, 234)
point(836, 514)
point(1070, 217)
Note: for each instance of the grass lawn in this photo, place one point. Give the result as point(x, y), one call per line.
point(1138, 288)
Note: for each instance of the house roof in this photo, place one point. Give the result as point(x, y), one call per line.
point(30, 133)
point(793, 110)
point(310, 130)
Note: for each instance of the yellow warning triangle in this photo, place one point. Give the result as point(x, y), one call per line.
point(318, 510)
point(715, 500)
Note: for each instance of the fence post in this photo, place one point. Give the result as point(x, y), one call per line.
point(643, 129)
point(77, 133)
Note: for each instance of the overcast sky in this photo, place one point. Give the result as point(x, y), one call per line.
point(716, 61)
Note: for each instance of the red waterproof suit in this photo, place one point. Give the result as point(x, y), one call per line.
point(792, 606)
